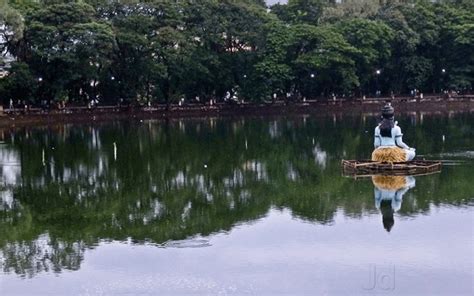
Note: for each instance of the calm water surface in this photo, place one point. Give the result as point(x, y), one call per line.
point(233, 206)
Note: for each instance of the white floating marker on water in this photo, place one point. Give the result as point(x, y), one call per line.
point(205, 166)
point(115, 151)
point(444, 138)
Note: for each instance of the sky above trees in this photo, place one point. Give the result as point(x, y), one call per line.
point(271, 2)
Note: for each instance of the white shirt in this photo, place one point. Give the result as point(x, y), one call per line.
point(395, 196)
point(394, 140)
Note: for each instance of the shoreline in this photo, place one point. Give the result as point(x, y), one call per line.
point(112, 113)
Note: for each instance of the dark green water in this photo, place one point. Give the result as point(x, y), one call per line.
point(231, 206)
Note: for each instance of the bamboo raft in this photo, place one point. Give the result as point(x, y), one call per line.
point(410, 168)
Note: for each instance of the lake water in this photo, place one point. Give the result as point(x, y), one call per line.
point(233, 206)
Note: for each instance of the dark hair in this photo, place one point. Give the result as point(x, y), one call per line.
point(388, 111)
point(388, 222)
point(387, 214)
point(386, 127)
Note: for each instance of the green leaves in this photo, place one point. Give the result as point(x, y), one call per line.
point(69, 48)
point(373, 39)
point(324, 51)
point(308, 60)
point(301, 11)
point(20, 84)
point(11, 27)
point(64, 15)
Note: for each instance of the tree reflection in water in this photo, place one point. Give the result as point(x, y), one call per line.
point(65, 189)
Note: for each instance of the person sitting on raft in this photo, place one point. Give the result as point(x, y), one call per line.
point(388, 143)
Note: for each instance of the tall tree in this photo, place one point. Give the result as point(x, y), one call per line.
point(300, 11)
point(373, 39)
point(324, 61)
point(68, 49)
point(11, 28)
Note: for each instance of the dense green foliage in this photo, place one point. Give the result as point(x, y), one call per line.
point(166, 50)
point(67, 188)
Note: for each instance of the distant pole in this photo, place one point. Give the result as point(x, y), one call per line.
point(39, 90)
point(377, 74)
point(443, 79)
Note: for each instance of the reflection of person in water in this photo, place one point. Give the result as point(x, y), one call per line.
point(389, 191)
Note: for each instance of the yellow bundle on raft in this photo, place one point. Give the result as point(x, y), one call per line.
point(389, 154)
point(389, 182)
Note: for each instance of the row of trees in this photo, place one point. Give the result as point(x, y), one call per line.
point(168, 50)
